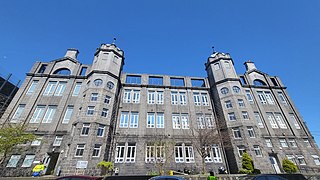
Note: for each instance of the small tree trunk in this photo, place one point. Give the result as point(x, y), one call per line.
point(203, 166)
point(103, 171)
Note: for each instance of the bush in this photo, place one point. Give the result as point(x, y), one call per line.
point(256, 171)
point(105, 166)
point(244, 171)
point(288, 166)
point(247, 162)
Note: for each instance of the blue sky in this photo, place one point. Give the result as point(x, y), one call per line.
point(281, 37)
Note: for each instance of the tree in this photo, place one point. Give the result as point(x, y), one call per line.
point(247, 164)
point(160, 151)
point(12, 135)
point(203, 138)
point(288, 166)
point(105, 166)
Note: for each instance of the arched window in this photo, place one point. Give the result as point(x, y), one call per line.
point(258, 82)
point(224, 90)
point(236, 89)
point(63, 71)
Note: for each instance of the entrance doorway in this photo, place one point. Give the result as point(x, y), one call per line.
point(274, 164)
point(50, 161)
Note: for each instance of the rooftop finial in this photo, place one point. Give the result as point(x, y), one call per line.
point(213, 51)
point(114, 40)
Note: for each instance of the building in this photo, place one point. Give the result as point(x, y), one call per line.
point(8, 88)
point(141, 122)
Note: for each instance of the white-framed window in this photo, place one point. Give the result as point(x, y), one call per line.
point(228, 104)
point(283, 143)
point(176, 124)
point(232, 116)
point(85, 129)
point(307, 142)
point(280, 120)
point(262, 98)
point(213, 154)
point(227, 64)
point(268, 142)
point(174, 97)
point(13, 161)
point(50, 88)
point(120, 153)
point(316, 159)
point(32, 87)
point(160, 120)
point(204, 98)
point(48, 117)
point(236, 89)
point(57, 141)
point(155, 153)
point(27, 162)
point(209, 122)
point(136, 96)
point(236, 133)
point(80, 150)
point(18, 113)
point(160, 97)
point(38, 114)
point(127, 96)
point(67, 115)
point(151, 120)
point(100, 132)
point(107, 99)
point(60, 88)
point(245, 115)
point(257, 150)
point(155, 97)
point(76, 89)
point(183, 98)
point(184, 153)
point(292, 143)
point(94, 97)
point(124, 119)
point(200, 121)
point(272, 121)
point(131, 153)
point(269, 97)
point(258, 120)
point(241, 150)
point(301, 160)
point(241, 103)
point(196, 99)
point(251, 132)
point(294, 121)
point(90, 111)
point(249, 96)
point(282, 98)
point(36, 142)
point(134, 119)
point(96, 150)
point(104, 112)
point(184, 121)
point(151, 97)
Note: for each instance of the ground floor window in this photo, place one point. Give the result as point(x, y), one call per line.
point(125, 153)
point(28, 161)
point(14, 159)
point(184, 153)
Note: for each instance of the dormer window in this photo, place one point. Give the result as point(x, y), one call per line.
point(63, 71)
point(259, 82)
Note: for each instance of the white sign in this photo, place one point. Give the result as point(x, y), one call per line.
point(82, 164)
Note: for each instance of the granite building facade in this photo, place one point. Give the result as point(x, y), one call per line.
point(144, 123)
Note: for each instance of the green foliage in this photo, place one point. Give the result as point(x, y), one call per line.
point(153, 173)
point(256, 171)
point(247, 163)
point(244, 171)
point(12, 135)
point(105, 164)
point(288, 166)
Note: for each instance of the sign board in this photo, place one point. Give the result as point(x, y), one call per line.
point(82, 164)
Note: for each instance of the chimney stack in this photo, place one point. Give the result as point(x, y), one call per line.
point(72, 53)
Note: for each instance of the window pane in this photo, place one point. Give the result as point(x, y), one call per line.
point(155, 80)
point(176, 81)
point(131, 79)
point(197, 83)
